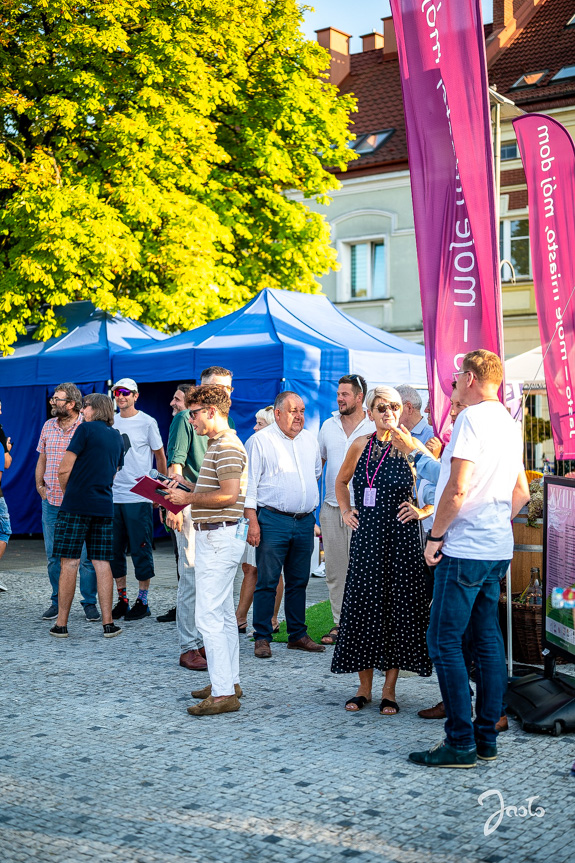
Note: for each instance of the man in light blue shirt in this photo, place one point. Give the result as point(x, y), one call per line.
point(411, 416)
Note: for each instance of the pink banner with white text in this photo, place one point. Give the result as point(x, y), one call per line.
point(548, 156)
point(444, 80)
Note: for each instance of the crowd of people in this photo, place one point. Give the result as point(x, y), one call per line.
point(400, 598)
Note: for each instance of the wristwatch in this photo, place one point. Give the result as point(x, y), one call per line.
point(430, 538)
point(412, 455)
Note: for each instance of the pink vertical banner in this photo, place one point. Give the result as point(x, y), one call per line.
point(548, 156)
point(444, 79)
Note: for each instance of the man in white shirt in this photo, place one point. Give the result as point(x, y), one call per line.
point(133, 524)
point(283, 468)
point(336, 435)
point(411, 416)
point(482, 486)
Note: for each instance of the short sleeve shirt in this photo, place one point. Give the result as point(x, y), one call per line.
point(225, 458)
point(141, 436)
point(185, 447)
point(100, 453)
point(53, 443)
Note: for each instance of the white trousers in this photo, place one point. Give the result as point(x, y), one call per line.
point(188, 636)
point(218, 554)
point(336, 538)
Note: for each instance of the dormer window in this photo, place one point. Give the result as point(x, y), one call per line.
point(565, 72)
point(530, 79)
point(365, 144)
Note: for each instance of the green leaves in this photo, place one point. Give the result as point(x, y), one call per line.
point(146, 148)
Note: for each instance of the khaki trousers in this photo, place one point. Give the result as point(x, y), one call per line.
point(336, 538)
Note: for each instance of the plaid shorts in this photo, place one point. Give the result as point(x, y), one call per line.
point(73, 530)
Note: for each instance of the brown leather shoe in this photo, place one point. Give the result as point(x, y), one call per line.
point(193, 660)
point(207, 690)
point(209, 707)
point(262, 649)
point(502, 724)
point(306, 643)
point(437, 712)
point(202, 652)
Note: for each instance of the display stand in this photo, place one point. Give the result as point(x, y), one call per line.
point(544, 701)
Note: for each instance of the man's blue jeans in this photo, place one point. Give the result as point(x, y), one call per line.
point(466, 593)
point(286, 542)
point(87, 571)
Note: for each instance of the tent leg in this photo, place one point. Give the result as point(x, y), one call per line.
point(509, 624)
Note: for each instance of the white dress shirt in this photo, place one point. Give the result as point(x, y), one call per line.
point(333, 446)
point(283, 471)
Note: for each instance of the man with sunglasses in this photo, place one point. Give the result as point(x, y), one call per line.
point(55, 438)
point(336, 435)
point(133, 522)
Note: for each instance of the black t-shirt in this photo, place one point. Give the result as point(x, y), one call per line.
point(100, 453)
point(4, 445)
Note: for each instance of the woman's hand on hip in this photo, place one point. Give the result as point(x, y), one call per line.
point(408, 512)
point(351, 518)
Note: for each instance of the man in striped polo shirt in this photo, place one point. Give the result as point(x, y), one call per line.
point(217, 501)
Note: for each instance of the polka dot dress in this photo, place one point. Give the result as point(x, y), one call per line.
point(385, 613)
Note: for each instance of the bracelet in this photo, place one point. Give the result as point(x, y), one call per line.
point(347, 510)
point(431, 538)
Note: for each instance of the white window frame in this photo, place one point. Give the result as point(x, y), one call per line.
point(506, 274)
point(344, 281)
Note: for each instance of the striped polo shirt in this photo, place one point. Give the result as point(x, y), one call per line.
point(225, 458)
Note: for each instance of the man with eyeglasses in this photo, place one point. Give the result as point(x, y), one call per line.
point(133, 520)
point(336, 435)
point(55, 438)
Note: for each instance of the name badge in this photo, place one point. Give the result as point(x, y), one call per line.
point(369, 496)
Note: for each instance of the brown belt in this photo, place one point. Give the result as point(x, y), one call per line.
point(213, 525)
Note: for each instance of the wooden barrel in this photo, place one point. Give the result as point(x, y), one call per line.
point(527, 552)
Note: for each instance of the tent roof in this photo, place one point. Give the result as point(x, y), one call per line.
point(83, 353)
point(281, 334)
point(526, 367)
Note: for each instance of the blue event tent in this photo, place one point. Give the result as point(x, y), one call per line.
point(280, 340)
point(29, 375)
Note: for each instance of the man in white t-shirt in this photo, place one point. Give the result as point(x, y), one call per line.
point(482, 486)
point(133, 523)
point(336, 435)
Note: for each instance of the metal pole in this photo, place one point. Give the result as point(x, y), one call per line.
point(497, 158)
point(509, 624)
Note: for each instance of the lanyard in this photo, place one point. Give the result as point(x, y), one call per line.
point(370, 483)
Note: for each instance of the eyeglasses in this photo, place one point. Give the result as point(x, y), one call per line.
point(229, 389)
point(196, 411)
point(122, 392)
point(392, 406)
point(455, 375)
point(55, 399)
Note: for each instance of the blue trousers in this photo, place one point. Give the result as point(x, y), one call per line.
point(466, 593)
point(285, 542)
point(87, 571)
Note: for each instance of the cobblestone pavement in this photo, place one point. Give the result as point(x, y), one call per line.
point(100, 761)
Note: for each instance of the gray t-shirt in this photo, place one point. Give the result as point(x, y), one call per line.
point(141, 435)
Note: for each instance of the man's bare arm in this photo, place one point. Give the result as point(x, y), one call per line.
point(521, 494)
point(65, 468)
point(39, 474)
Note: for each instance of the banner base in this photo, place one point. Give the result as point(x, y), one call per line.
point(542, 703)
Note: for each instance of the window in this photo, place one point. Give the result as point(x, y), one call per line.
point(565, 72)
point(509, 151)
point(367, 270)
point(514, 247)
point(529, 79)
point(364, 144)
point(571, 21)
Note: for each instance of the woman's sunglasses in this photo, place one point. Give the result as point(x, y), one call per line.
point(392, 406)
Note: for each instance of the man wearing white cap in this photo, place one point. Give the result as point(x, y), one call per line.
point(133, 525)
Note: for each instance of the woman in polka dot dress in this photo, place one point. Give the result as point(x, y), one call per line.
point(385, 613)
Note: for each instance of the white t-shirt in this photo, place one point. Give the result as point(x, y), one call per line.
point(486, 435)
point(141, 435)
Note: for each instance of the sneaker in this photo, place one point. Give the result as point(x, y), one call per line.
point(444, 755)
point(120, 608)
point(51, 613)
point(59, 631)
point(137, 611)
point(486, 751)
point(2, 587)
point(91, 612)
point(110, 630)
point(168, 617)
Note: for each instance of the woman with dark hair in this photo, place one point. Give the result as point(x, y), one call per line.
point(385, 611)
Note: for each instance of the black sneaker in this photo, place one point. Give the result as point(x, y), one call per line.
point(120, 609)
point(51, 613)
point(59, 631)
point(168, 617)
point(137, 611)
point(92, 613)
point(110, 630)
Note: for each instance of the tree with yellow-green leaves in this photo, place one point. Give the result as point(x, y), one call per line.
point(145, 150)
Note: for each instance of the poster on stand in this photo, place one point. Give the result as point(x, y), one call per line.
point(558, 564)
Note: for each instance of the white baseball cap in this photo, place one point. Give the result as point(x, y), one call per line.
point(127, 384)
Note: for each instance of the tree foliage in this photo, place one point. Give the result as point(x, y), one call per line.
point(146, 147)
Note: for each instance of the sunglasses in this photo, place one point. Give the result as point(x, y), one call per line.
point(392, 406)
point(455, 375)
point(196, 411)
point(122, 392)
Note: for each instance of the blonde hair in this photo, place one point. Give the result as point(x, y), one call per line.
point(382, 392)
point(266, 415)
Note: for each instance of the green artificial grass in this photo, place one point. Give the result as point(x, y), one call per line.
point(319, 620)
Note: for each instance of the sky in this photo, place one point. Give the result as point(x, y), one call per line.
point(357, 18)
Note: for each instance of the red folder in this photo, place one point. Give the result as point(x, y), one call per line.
point(152, 490)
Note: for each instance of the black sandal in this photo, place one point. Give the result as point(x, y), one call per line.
point(385, 702)
point(359, 700)
point(331, 635)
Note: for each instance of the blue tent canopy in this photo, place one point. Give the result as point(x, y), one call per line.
point(281, 340)
point(28, 377)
